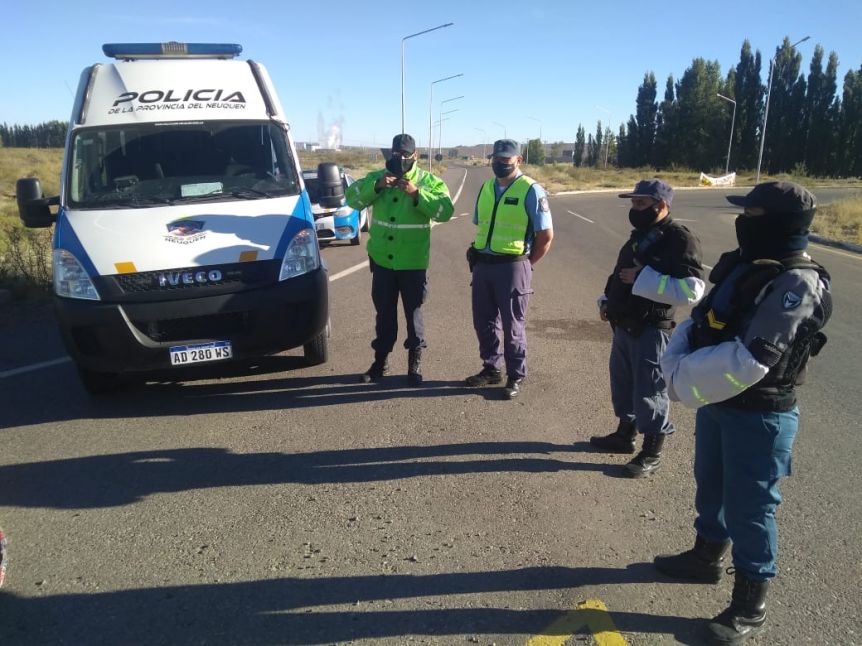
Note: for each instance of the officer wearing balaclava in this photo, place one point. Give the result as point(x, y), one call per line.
point(405, 199)
point(657, 270)
point(738, 360)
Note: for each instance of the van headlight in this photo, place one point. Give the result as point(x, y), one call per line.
point(301, 256)
point(70, 279)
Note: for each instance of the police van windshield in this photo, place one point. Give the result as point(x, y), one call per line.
point(140, 165)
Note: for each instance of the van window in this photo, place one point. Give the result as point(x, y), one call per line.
point(141, 165)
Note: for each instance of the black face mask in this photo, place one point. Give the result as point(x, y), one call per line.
point(642, 219)
point(772, 235)
point(399, 166)
point(502, 169)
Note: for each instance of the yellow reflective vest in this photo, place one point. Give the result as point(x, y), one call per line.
point(504, 222)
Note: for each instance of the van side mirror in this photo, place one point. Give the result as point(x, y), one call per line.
point(32, 204)
point(329, 186)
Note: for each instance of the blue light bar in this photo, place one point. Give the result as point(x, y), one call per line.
point(130, 51)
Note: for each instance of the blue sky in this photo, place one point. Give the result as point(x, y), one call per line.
point(540, 66)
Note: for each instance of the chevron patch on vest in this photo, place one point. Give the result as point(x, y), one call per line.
point(714, 322)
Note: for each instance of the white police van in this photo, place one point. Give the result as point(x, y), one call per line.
point(184, 234)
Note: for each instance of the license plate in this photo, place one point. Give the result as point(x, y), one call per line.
point(200, 352)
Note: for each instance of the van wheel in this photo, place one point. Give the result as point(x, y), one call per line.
point(316, 351)
point(99, 383)
point(357, 239)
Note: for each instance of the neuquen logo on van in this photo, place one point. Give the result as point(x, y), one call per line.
point(178, 100)
point(185, 231)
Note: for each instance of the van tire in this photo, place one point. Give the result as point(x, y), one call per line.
point(316, 351)
point(356, 240)
point(99, 383)
point(366, 224)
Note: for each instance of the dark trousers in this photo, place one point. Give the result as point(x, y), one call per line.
point(638, 390)
point(386, 286)
point(501, 293)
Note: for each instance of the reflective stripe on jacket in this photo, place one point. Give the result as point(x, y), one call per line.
point(504, 221)
point(400, 231)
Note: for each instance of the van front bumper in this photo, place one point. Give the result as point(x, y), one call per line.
point(136, 337)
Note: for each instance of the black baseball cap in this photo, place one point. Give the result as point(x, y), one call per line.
point(506, 148)
point(404, 144)
point(777, 197)
point(653, 188)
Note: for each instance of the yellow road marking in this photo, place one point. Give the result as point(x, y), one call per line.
point(591, 613)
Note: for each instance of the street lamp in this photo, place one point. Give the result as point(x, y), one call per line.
point(418, 33)
point(766, 109)
point(528, 141)
point(732, 121)
point(430, 110)
point(440, 149)
point(497, 123)
point(607, 133)
point(484, 143)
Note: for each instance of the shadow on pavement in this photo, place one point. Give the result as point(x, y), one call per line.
point(121, 479)
point(284, 610)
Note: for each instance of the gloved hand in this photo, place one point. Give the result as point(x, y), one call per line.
point(764, 352)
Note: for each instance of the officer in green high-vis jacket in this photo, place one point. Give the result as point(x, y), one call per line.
point(405, 200)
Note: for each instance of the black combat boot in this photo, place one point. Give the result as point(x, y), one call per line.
point(487, 377)
point(744, 617)
point(648, 460)
point(702, 563)
point(379, 368)
point(621, 440)
point(414, 367)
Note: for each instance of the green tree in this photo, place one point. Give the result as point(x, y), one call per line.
point(646, 110)
point(580, 147)
point(785, 130)
point(821, 114)
point(665, 127)
point(534, 152)
point(700, 119)
point(748, 92)
point(850, 125)
point(600, 143)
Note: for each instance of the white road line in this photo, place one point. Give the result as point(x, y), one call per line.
point(348, 271)
point(707, 266)
point(458, 192)
point(682, 220)
point(581, 216)
point(34, 366)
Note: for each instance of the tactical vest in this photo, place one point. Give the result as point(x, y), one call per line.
point(632, 312)
point(505, 221)
point(722, 315)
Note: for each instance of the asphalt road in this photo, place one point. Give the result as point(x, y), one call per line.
point(294, 505)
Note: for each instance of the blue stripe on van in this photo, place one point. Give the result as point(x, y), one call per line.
point(66, 238)
point(301, 218)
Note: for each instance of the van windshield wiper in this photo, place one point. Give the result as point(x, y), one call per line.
point(130, 200)
point(243, 193)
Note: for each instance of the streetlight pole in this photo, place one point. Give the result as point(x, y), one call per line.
point(766, 108)
point(430, 111)
point(484, 143)
point(454, 98)
point(540, 138)
point(732, 122)
point(418, 33)
point(607, 133)
point(497, 123)
point(440, 149)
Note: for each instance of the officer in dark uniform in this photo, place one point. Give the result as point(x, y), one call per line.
point(738, 360)
point(513, 232)
point(657, 269)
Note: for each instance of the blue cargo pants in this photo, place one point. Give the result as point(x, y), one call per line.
point(739, 457)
